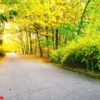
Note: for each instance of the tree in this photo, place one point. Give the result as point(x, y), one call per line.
point(82, 17)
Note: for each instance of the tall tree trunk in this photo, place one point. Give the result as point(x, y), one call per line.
point(47, 41)
point(22, 43)
point(52, 36)
point(41, 53)
point(82, 17)
point(46, 36)
point(56, 43)
point(26, 44)
point(30, 40)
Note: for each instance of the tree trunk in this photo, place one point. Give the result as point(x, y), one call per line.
point(30, 40)
point(26, 44)
point(41, 54)
point(53, 37)
point(22, 43)
point(47, 41)
point(46, 36)
point(82, 17)
point(56, 43)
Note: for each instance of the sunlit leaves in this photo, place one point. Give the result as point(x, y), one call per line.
point(45, 17)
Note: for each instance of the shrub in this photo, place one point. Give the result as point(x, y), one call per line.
point(56, 55)
point(84, 51)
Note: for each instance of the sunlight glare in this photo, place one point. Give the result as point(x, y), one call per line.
point(12, 54)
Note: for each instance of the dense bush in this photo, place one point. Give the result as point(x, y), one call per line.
point(84, 51)
point(56, 55)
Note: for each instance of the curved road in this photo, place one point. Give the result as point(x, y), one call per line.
point(22, 79)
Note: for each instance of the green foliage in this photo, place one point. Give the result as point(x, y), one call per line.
point(85, 51)
point(12, 13)
point(57, 55)
point(46, 42)
point(8, 15)
point(68, 31)
point(10, 1)
point(2, 18)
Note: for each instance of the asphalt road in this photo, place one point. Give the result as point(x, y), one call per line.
point(22, 79)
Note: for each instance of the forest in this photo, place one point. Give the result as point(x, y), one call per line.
point(65, 32)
